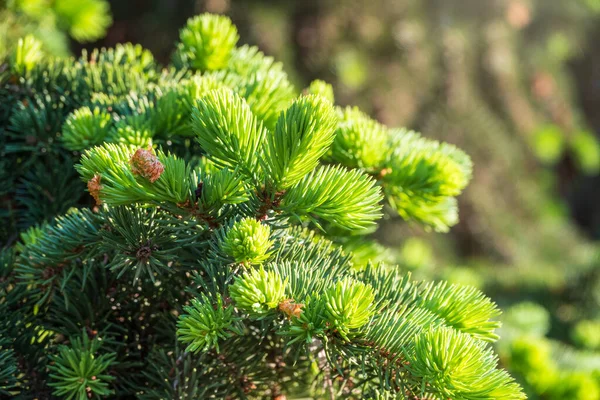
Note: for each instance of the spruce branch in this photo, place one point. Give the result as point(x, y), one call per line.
point(206, 42)
point(360, 142)
point(228, 131)
point(214, 190)
point(302, 135)
point(258, 292)
point(349, 305)
point(78, 373)
point(235, 295)
point(26, 55)
point(205, 323)
point(247, 241)
point(454, 365)
point(423, 178)
point(347, 199)
point(122, 175)
point(85, 128)
point(143, 242)
point(462, 307)
point(261, 81)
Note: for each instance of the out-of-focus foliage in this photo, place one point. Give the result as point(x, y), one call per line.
point(52, 23)
point(547, 368)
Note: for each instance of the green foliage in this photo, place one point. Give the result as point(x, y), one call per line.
point(79, 372)
point(310, 324)
point(321, 88)
point(47, 25)
point(199, 266)
point(261, 81)
point(27, 53)
point(220, 188)
point(453, 364)
point(120, 175)
point(302, 135)
point(347, 199)
point(87, 20)
point(258, 292)
point(247, 241)
point(143, 243)
point(464, 308)
point(8, 368)
point(204, 324)
point(85, 128)
point(359, 141)
point(207, 41)
point(349, 306)
point(585, 334)
point(228, 131)
point(423, 178)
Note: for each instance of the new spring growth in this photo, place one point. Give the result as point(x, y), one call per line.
point(452, 361)
point(258, 292)
point(349, 305)
point(85, 128)
point(322, 89)
point(207, 42)
point(247, 241)
point(291, 308)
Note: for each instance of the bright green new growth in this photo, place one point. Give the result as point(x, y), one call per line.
point(258, 291)
point(218, 262)
point(120, 185)
point(321, 88)
point(26, 54)
point(360, 142)
point(345, 198)
point(78, 372)
point(207, 41)
point(453, 364)
point(423, 178)
point(87, 19)
point(350, 305)
point(228, 131)
point(464, 308)
point(85, 128)
point(302, 135)
point(204, 324)
point(310, 324)
point(247, 241)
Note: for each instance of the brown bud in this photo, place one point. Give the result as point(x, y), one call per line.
point(290, 308)
point(146, 164)
point(94, 188)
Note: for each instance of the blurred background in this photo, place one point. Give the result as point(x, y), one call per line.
point(515, 83)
